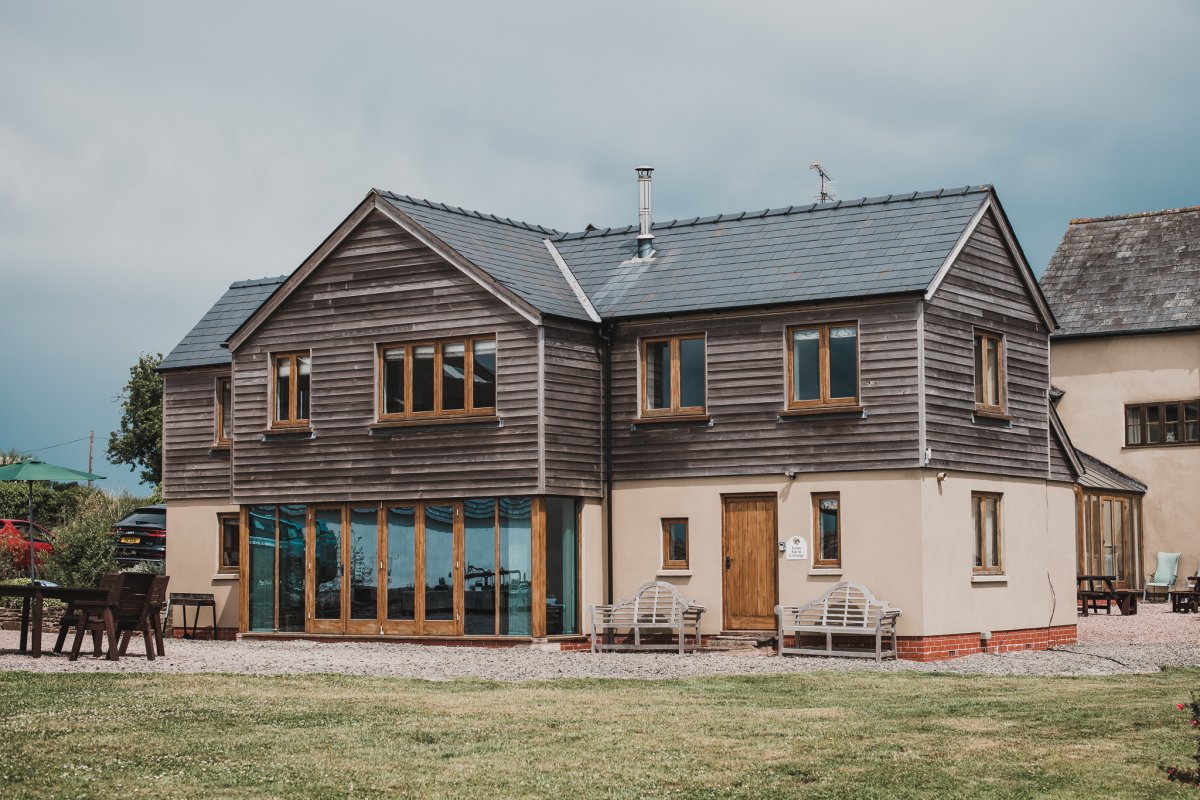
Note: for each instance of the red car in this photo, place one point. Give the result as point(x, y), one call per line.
point(14, 537)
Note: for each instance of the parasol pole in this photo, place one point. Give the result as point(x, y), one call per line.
point(29, 530)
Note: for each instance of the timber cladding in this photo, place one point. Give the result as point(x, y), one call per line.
point(573, 402)
point(746, 377)
point(983, 291)
point(192, 465)
point(383, 286)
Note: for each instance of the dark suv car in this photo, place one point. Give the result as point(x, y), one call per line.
point(142, 536)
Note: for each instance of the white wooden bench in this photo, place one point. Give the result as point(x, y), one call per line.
point(846, 609)
point(656, 606)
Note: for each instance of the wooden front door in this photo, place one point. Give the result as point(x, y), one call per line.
point(749, 550)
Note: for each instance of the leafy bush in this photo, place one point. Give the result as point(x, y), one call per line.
point(84, 545)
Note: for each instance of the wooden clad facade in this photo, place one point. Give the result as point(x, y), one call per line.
point(573, 416)
point(983, 292)
point(382, 286)
point(192, 466)
point(746, 395)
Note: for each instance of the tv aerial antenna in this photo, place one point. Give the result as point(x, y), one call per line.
point(826, 193)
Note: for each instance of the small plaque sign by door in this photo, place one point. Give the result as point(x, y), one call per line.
point(797, 549)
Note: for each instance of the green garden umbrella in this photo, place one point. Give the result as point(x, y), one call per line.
point(32, 470)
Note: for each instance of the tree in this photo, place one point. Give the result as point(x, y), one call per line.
point(139, 442)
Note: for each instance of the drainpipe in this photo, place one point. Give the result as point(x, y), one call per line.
point(606, 338)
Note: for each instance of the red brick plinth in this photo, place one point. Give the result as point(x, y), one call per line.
point(956, 645)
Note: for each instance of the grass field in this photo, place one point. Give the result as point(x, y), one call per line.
point(863, 735)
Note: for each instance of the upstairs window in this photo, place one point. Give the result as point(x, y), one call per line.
point(985, 509)
point(673, 376)
point(989, 373)
point(823, 365)
point(291, 389)
point(445, 378)
point(1171, 422)
point(224, 413)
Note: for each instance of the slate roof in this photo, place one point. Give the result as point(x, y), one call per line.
point(872, 246)
point(202, 345)
point(1138, 273)
point(512, 252)
point(1098, 475)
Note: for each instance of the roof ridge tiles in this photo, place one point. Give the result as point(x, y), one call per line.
point(1136, 215)
point(257, 282)
point(468, 212)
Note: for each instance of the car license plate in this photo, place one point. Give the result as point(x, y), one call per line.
point(131, 540)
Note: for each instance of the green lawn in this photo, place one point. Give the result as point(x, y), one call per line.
point(822, 735)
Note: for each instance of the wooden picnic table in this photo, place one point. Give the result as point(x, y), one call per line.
point(1096, 588)
point(31, 608)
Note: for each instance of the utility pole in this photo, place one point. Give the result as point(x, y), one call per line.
point(91, 442)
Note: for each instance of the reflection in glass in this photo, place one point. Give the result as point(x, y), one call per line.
point(1171, 422)
point(261, 571)
point(483, 380)
point(658, 375)
point(226, 409)
point(677, 541)
point(993, 371)
point(1191, 421)
point(480, 578)
point(422, 378)
point(1133, 425)
point(393, 381)
point(691, 373)
point(806, 364)
point(1153, 425)
point(364, 558)
point(516, 560)
point(439, 562)
point(328, 563)
point(303, 371)
point(980, 389)
point(292, 525)
point(562, 568)
point(283, 388)
point(843, 362)
point(231, 541)
point(827, 512)
point(401, 562)
point(454, 376)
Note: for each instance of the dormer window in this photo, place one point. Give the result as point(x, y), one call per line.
point(290, 399)
point(989, 373)
point(454, 377)
point(673, 376)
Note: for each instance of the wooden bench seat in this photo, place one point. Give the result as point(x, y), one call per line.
point(847, 609)
point(656, 606)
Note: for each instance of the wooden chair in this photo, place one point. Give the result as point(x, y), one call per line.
point(98, 616)
point(149, 621)
point(846, 609)
point(71, 618)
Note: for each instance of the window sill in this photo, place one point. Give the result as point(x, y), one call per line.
point(1154, 445)
point(833, 571)
point(219, 449)
point(695, 420)
point(379, 428)
point(991, 419)
point(674, 573)
point(824, 412)
point(226, 576)
point(992, 413)
point(989, 579)
point(286, 434)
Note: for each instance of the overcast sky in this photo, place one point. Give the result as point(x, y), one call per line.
point(152, 153)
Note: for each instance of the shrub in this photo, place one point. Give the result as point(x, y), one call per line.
point(1184, 774)
point(84, 545)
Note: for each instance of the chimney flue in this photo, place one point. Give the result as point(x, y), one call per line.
point(645, 239)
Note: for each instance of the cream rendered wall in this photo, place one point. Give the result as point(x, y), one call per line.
point(1037, 521)
point(880, 536)
point(192, 558)
point(1099, 377)
point(591, 560)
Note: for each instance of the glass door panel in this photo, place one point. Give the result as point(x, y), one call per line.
point(516, 566)
point(293, 532)
point(327, 570)
point(439, 569)
point(400, 612)
point(260, 570)
point(362, 565)
point(479, 602)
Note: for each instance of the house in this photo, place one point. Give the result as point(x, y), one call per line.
point(452, 425)
point(1126, 363)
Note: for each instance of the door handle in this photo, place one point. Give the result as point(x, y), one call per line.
point(728, 561)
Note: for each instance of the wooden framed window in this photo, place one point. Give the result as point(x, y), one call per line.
point(224, 411)
point(441, 378)
point(229, 543)
point(290, 389)
point(827, 530)
point(675, 543)
point(989, 373)
point(822, 365)
point(989, 537)
point(1168, 423)
point(673, 376)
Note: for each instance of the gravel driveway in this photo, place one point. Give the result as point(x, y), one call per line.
point(1107, 645)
